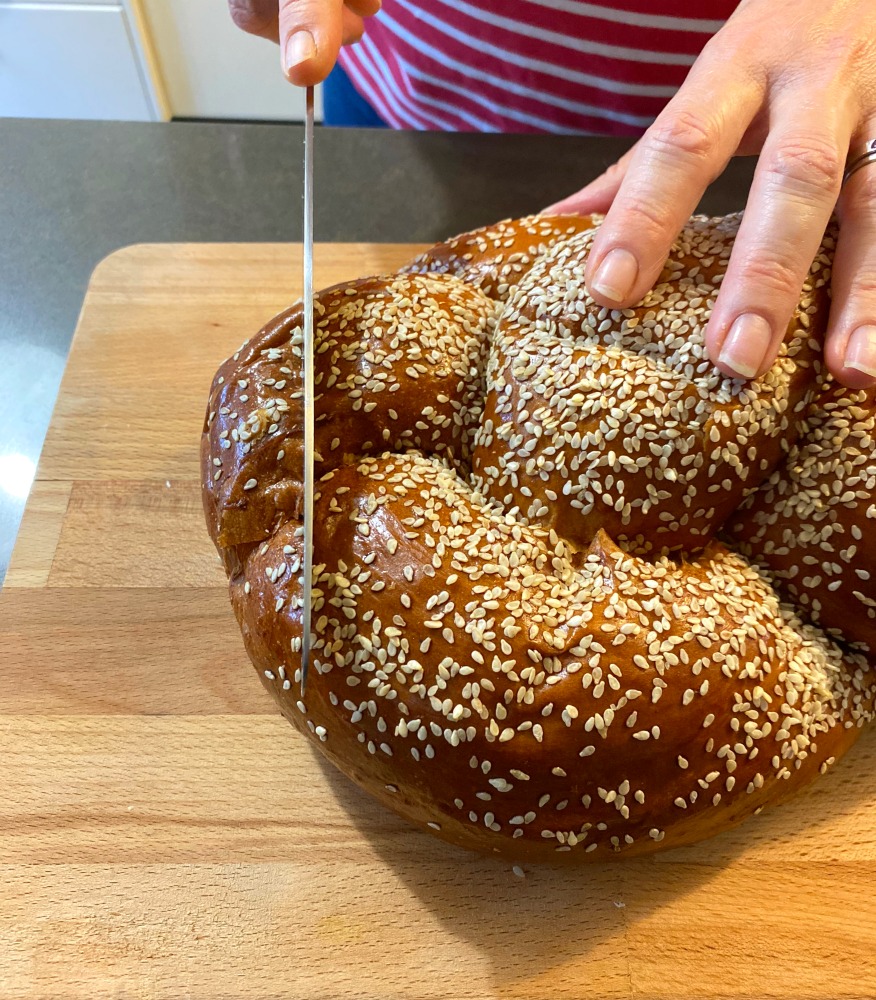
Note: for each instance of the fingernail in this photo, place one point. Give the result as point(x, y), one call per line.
point(746, 345)
point(300, 47)
point(861, 350)
point(616, 275)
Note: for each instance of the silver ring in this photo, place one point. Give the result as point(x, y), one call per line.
point(861, 159)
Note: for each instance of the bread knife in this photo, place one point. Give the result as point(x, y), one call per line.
point(309, 393)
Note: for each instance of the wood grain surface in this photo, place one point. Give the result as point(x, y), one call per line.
point(165, 834)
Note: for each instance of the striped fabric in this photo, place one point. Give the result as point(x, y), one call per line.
point(529, 65)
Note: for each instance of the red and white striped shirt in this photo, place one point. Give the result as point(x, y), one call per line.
point(529, 65)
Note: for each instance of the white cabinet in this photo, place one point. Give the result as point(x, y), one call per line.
point(212, 69)
point(75, 60)
point(138, 60)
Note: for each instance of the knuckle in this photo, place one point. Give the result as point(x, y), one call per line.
point(616, 171)
point(301, 9)
point(771, 278)
point(247, 15)
point(842, 53)
point(810, 164)
point(683, 131)
point(864, 289)
point(647, 218)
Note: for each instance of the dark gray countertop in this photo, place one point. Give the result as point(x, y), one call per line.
point(72, 192)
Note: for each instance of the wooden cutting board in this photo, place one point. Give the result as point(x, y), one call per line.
point(165, 834)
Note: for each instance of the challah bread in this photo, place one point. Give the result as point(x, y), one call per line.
point(487, 665)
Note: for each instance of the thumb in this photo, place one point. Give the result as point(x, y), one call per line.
point(310, 39)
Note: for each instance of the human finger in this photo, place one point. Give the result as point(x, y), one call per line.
point(688, 146)
point(792, 196)
point(352, 27)
point(311, 34)
point(363, 8)
point(261, 17)
point(850, 347)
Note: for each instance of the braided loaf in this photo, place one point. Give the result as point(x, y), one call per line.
point(572, 583)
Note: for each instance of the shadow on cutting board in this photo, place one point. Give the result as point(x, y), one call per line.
point(559, 928)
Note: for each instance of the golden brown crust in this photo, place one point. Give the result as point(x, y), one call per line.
point(505, 676)
point(495, 258)
point(813, 522)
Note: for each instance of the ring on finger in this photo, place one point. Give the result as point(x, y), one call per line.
point(862, 156)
